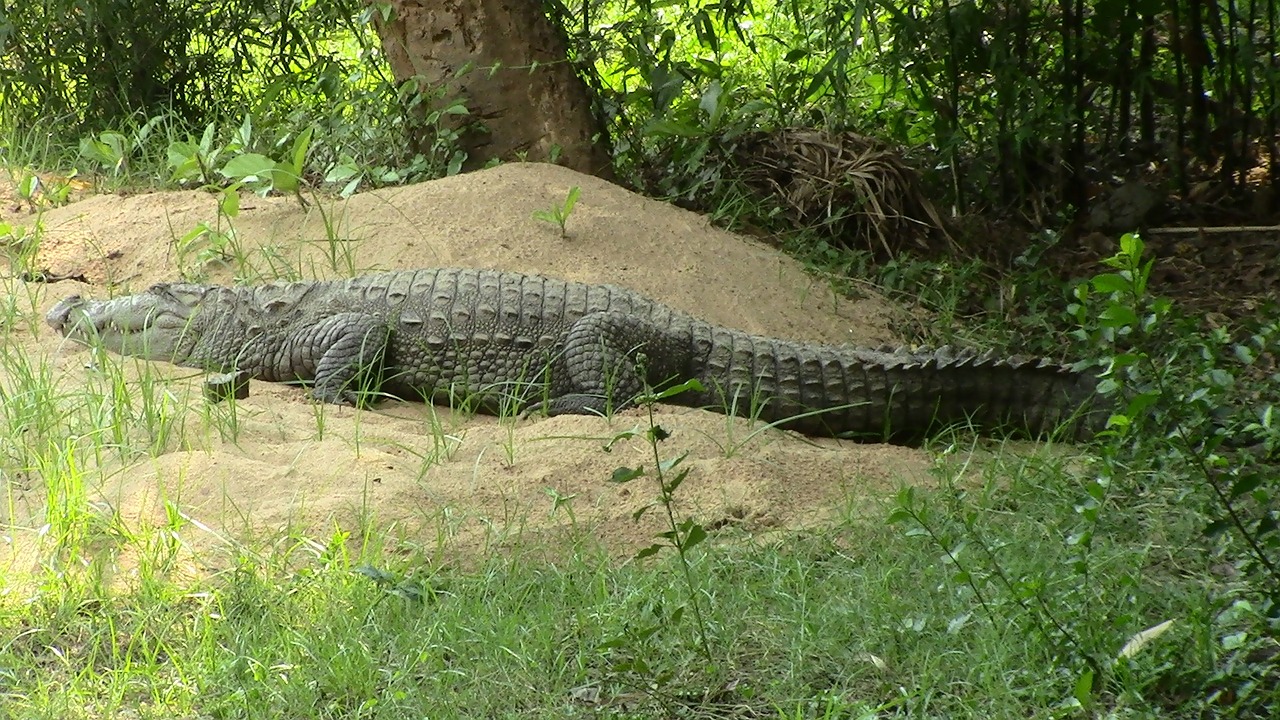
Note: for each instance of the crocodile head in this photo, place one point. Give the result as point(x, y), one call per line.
point(156, 324)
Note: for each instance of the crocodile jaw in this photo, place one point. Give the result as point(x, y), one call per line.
point(154, 325)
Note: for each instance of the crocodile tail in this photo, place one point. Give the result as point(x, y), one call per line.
point(892, 394)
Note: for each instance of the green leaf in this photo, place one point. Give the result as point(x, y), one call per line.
point(1235, 640)
point(1084, 688)
point(193, 235)
point(1268, 524)
point(672, 128)
point(687, 386)
point(1116, 315)
point(821, 78)
point(1110, 283)
point(1245, 484)
point(706, 31)
point(958, 622)
point(95, 150)
point(677, 482)
point(300, 148)
point(1220, 378)
point(144, 132)
point(626, 474)
point(1097, 489)
point(709, 103)
point(375, 574)
point(647, 552)
point(906, 497)
point(29, 185)
point(574, 193)
point(1140, 403)
point(344, 170)
point(243, 136)
point(620, 437)
point(898, 516)
point(206, 138)
point(455, 163)
point(284, 179)
point(695, 534)
point(248, 166)
point(179, 153)
point(1140, 282)
point(229, 201)
point(1124, 360)
point(1118, 421)
point(1131, 244)
point(118, 143)
point(670, 463)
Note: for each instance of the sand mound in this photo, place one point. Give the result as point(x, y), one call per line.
point(421, 473)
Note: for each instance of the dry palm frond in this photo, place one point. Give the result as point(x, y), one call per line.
point(859, 187)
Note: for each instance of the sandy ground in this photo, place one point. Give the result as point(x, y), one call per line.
point(418, 474)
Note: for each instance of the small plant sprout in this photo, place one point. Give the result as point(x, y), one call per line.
point(559, 214)
point(207, 244)
point(20, 247)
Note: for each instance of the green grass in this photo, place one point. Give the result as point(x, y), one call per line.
point(841, 621)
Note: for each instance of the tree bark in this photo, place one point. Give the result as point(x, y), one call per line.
point(523, 97)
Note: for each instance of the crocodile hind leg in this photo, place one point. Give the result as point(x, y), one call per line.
point(598, 370)
point(351, 349)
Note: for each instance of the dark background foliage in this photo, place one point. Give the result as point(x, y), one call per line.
point(1021, 103)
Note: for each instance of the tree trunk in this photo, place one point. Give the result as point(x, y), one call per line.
point(524, 99)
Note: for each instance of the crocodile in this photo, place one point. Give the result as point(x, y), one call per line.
point(511, 342)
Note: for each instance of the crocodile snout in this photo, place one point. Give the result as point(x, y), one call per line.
point(59, 317)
